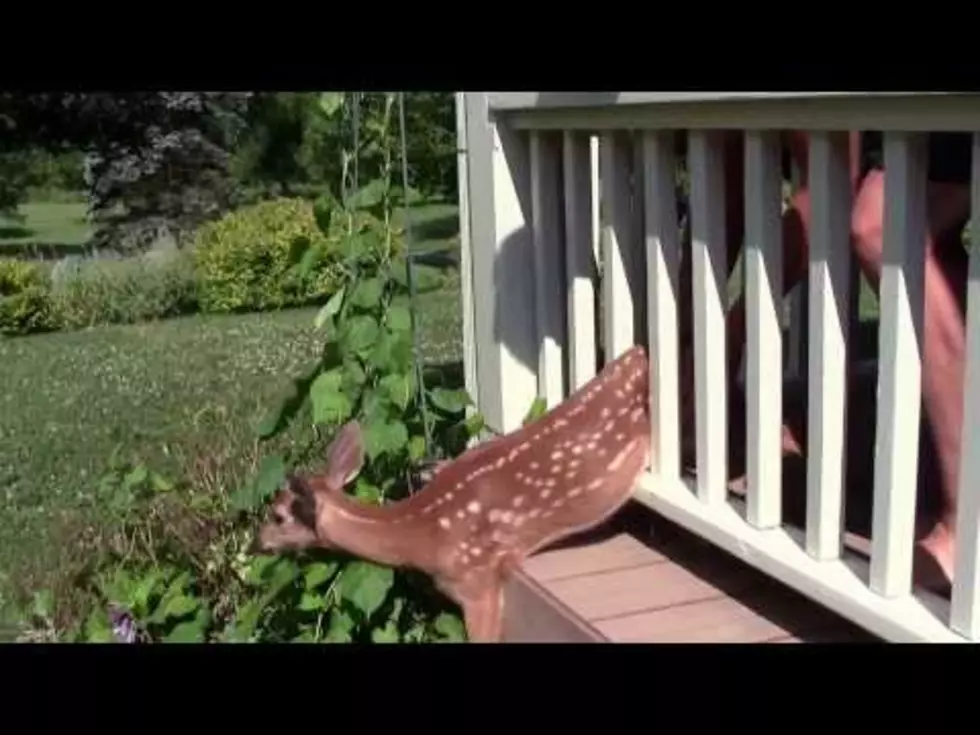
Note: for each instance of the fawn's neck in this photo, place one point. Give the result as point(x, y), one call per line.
point(370, 532)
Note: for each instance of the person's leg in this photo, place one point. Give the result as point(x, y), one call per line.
point(795, 223)
point(943, 338)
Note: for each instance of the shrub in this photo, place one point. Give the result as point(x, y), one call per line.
point(114, 290)
point(270, 255)
point(24, 297)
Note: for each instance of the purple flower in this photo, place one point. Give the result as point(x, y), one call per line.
point(123, 627)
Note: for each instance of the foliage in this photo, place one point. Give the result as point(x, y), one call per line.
point(182, 396)
point(105, 290)
point(175, 566)
point(268, 255)
point(293, 144)
point(24, 298)
point(156, 162)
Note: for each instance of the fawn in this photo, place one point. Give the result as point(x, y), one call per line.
point(483, 513)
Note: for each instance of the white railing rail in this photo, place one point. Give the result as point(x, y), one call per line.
point(531, 279)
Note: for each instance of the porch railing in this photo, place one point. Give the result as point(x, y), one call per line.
point(531, 276)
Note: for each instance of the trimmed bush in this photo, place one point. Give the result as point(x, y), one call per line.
point(107, 290)
point(268, 255)
point(24, 297)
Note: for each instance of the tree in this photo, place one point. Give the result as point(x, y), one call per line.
point(155, 161)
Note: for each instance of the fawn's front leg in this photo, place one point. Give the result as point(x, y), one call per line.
point(482, 601)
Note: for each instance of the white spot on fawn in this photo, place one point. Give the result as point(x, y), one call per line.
point(534, 465)
point(518, 500)
point(556, 455)
point(506, 516)
point(445, 523)
point(473, 507)
point(545, 493)
point(620, 458)
point(574, 492)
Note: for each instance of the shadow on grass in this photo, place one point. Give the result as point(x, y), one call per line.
point(444, 374)
point(438, 259)
point(41, 250)
point(15, 232)
point(437, 228)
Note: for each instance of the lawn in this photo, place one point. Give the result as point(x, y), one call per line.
point(182, 395)
point(45, 228)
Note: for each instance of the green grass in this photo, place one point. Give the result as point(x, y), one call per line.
point(182, 394)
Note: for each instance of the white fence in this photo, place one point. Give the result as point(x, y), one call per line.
point(528, 209)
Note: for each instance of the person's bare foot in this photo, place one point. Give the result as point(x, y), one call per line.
point(932, 561)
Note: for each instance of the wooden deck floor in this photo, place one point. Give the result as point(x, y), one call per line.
point(643, 579)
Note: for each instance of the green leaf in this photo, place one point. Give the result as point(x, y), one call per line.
point(43, 604)
point(365, 586)
point(399, 319)
point(98, 629)
point(387, 634)
point(399, 388)
point(246, 621)
point(367, 293)
point(283, 573)
point(305, 636)
point(311, 256)
point(135, 477)
point(416, 447)
point(368, 196)
point(319, 572)
point(139, 597)
point(354, 377)
point(272, 474)
point(475, 424)
point(331, 102)
point(160, 483)
point(311, 601)
point(258, 570)
point(341, 625)
point(191, 631)
point(329, 309)
point(384, 437)
point(276, 420)
point(364, 490)
point(270, 477)
point(331, 404)
point(538, 409)
point(393, 352)
point(450, 401)
point(450, 626)
point(176, 606)
point(360, 334)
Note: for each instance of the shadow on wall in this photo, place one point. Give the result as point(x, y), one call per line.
point(514, 322)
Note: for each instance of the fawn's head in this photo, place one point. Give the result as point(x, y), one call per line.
point(297, 510)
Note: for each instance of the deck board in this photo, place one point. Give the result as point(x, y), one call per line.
point(644, 579)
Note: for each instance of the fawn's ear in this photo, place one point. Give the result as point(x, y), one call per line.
point(345, 456)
